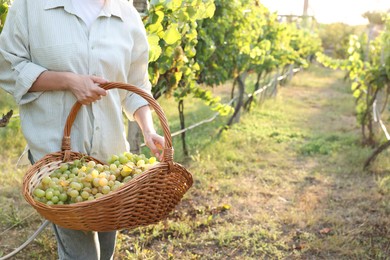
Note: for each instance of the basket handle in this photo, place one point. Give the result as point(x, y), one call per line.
point(168, 150)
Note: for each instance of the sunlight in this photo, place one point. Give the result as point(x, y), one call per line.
point(346, 11)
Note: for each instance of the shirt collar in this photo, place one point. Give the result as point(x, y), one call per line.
point(66, 4)
point(110, 8)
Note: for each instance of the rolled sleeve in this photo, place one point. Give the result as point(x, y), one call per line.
point(27, 76)
point(17, 72)
point(133, 102)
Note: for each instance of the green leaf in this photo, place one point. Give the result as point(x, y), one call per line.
point(155, 49)
point(210, 10)
point(172, 35)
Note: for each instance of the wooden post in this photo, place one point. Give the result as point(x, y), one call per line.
point(275, 83)
point(141, 5)
point(290, 72)
point(305, 12)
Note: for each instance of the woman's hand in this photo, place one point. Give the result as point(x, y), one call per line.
point(155, 143)
point(86, 88)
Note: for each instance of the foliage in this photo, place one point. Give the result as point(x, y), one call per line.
point(368, 66)
point(375, 17)
point(212, 42)
point(3, 12)
point(335, 38)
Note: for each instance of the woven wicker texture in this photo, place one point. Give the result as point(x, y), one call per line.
point(144, 200)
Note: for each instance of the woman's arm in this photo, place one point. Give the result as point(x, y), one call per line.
point(155, 142)
point(84, 87)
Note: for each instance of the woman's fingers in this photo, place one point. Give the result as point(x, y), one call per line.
point(87, 90)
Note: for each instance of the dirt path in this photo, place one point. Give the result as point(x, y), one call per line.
point(301, 184)
point(317, 196)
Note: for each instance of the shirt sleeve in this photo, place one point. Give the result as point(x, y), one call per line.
point(17, 72)
point(138, 74)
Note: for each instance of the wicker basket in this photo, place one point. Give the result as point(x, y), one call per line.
point(144, 200)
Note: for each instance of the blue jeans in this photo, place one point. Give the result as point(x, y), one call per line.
point(80, 245)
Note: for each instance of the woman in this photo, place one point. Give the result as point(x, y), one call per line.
point(56, 52)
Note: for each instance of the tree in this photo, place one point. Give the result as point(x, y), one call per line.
point(374, 17)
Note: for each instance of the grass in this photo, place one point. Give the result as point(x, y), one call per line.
point(285, 183)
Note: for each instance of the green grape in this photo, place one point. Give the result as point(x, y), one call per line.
point(87, 189)
point(55, 199)
point(106, 189)
point(46, 180)
point(75, 171)
point(60, 188)
point(95, 182)
point(99, 167)
point(140, 163)
point(123, 159)
point(94, 173)
point(113, 167)
point(63, 183)
point(74, 193)
point(115, 187)
point(78, 199)
point(49, 195)
point(91, 164)
point(39, 193)
point(63, 197)
point(102, 175)
point(84, 195)
point(152, 160)
point(103, 182)
point(113, 158)
point(126, 179)
point(76, 185)
point(64, 167)
point(88, 177)
point(87, 184)
point(77, 163)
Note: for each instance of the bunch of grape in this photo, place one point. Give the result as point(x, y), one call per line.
point(80, 180)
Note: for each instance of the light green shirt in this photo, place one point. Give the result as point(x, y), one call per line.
point(44, 35)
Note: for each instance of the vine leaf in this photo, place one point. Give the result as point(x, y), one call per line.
point(5, 119)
